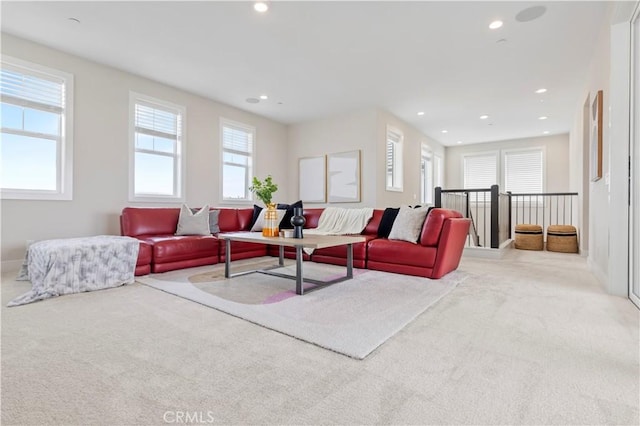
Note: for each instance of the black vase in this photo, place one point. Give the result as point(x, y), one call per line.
point(298, 222)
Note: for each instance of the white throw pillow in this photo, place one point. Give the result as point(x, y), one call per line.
point(408, 224)
point(193, 224)
point(260, 220)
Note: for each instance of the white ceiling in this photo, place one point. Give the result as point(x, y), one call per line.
point(319, 59)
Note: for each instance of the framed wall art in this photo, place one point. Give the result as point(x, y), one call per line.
point(343, 177)
point(312, 177)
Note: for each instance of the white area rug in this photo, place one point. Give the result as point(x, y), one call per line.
point(352, 318)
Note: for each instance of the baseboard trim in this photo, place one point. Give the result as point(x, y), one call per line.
point(597, 272)
point(489, 253)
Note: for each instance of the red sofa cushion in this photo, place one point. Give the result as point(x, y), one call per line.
point(149, 221)
point(374, 223)
point(228, 220)
point(433, 225)
point(312, 216)
point(172, 248)
point(401, 252)
point(245, 216)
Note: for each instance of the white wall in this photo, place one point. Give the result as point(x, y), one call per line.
point(593, 195)
point(364, 130)
point(101, 120)
point(556, 149)
point(411, 153)
point(608, 198)
point(347, 132)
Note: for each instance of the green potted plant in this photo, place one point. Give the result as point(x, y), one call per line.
point(264, 189)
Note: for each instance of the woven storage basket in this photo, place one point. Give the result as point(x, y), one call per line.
point(529, 237)
point(562, 238)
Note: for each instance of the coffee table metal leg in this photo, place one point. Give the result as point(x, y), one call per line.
point(299, 287)
point(349, 260)
point(281, 256)
point(227, 260)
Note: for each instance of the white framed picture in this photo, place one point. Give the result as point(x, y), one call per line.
point(312, 177)
point(343, 177)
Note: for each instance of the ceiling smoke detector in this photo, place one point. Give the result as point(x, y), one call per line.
point(253, 100)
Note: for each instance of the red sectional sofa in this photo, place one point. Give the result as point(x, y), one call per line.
point(437, 252)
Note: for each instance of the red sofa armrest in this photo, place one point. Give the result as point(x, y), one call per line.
point(451, 245)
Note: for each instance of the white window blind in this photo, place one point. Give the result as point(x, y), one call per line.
point(523, 171)
point(158, 157)
point(155, 121)
point(480, 171)
point(36, 90)
point(393, 163)
point(237, 160)
point(36, 146)
point(237, 139)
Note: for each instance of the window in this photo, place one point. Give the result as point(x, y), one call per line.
point(480, 170)
point(523, 171)
point(394, 160)
point(158, 151)
point(426, 176)
point(237, 160)
point(36, 149)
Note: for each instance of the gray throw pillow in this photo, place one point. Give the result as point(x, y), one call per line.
point(214, 228)
point(408, 224)
point(193, 224)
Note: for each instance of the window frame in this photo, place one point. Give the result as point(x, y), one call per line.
point(250, 168)
point(180, 170)
point(397, 173)
point(426, 153)
point(64, 145)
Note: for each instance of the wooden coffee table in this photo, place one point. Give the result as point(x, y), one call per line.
point(309, 241)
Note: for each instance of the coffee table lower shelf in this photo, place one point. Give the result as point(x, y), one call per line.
point(299, 245)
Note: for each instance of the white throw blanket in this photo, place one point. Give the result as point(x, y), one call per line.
point(341, 221)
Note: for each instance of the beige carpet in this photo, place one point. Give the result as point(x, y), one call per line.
point(353, 317)
point(530, 339)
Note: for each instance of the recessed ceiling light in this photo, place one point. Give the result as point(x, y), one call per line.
point(546, 132)
point(541, 90)
point(74, 20)
point(495, 25)
point(459, 142)
point(445, 131)
point(421, 113)
point(252, 100)
point(264, 97)
point(484, 117)
point(261, 7)
point(544, 117)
